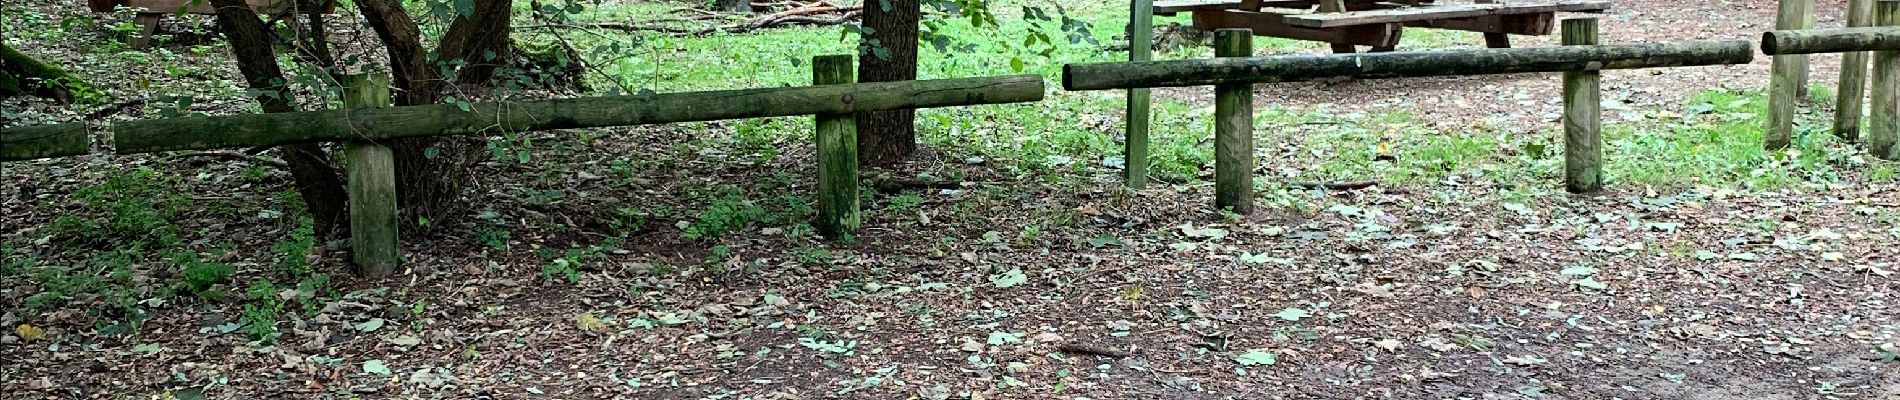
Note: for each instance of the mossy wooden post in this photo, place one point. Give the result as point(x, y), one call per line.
point(1583, 115)
point(1801, 74)
point(1233, 129)
point(1847, 101)
point(1884, 129)
point(837, 154)
point(1789, 73)
point(1135, 143)
point(372, 184)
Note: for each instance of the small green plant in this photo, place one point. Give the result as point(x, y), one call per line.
point(260, 312)
point(719, 254)
point(200, 277)
point(313, 288)
point(813, 256)
point(726, 214)
point(568, 264)
point(1881, 172)
point(495, 238)
point(294, 251)
point(904, 203)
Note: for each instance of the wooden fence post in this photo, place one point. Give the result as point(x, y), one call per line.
point(1233, 129)
point(372, 185)
point(1583, 115)
point(1784, 85)
point(1135, 143)
point(1884, 129)
point(1848, 104)
point(837, 144)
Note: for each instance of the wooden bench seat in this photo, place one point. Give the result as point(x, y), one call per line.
point(151, 10)
point(1438, 12)
point(1172, 7)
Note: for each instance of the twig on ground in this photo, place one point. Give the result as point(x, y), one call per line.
point(889, 185)
point(1076, 348)
point(238, 156)
point(114, 108)
point(1337, 185)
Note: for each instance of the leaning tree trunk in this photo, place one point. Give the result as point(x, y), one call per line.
point(316, 180)
point(888, 53)
point(21, 74)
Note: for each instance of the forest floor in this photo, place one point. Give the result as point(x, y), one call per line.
point(675, 262)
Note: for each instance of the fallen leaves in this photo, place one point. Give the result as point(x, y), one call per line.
point(1006, 279)
point(1293, 314)
point(29, 332)
point(376, 367)
point(589, 323)
point(371, 325)
point(1256, 357)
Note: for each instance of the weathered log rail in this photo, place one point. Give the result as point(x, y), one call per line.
point(249, 130)
point(1301, 68)
point(1836, 40)
point(1234, 72)
point(365, 121)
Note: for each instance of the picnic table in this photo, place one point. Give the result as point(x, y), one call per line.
point(1376, 23)
point(149, 11)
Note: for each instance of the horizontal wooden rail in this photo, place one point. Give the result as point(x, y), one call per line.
point(1200, 72)
point(1437, 12)
point(1837, 40)
point(198, 133)
point(587, 112)
point(44, 141)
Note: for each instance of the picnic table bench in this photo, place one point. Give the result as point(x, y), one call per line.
point(1376, 23)
point(149, 11)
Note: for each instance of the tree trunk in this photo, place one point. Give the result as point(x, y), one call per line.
point(430, 171)
point(317, 181)
point(21, 74)
point(415, 82)
point(479, 40)
point(733, 5)
point(888, 53)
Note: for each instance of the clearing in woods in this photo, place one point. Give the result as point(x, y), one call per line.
point(675, 261)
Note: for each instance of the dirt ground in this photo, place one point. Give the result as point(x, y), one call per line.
point(1431, 291)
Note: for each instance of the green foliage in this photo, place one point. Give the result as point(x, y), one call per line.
point(200, 277)
point(813, 256)
point(567, 265)
point(904, 203)
point(133, 209)
point(294, 252)
point(494, 238)
point(260, 313)
point(726, 213)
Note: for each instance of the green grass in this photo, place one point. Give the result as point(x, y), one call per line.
point(1717, 144)
point(1713, 147)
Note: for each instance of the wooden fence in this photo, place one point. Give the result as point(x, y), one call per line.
point(1872, 27)
point(832, 99)
point(1235, 72)
point(367, 120)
